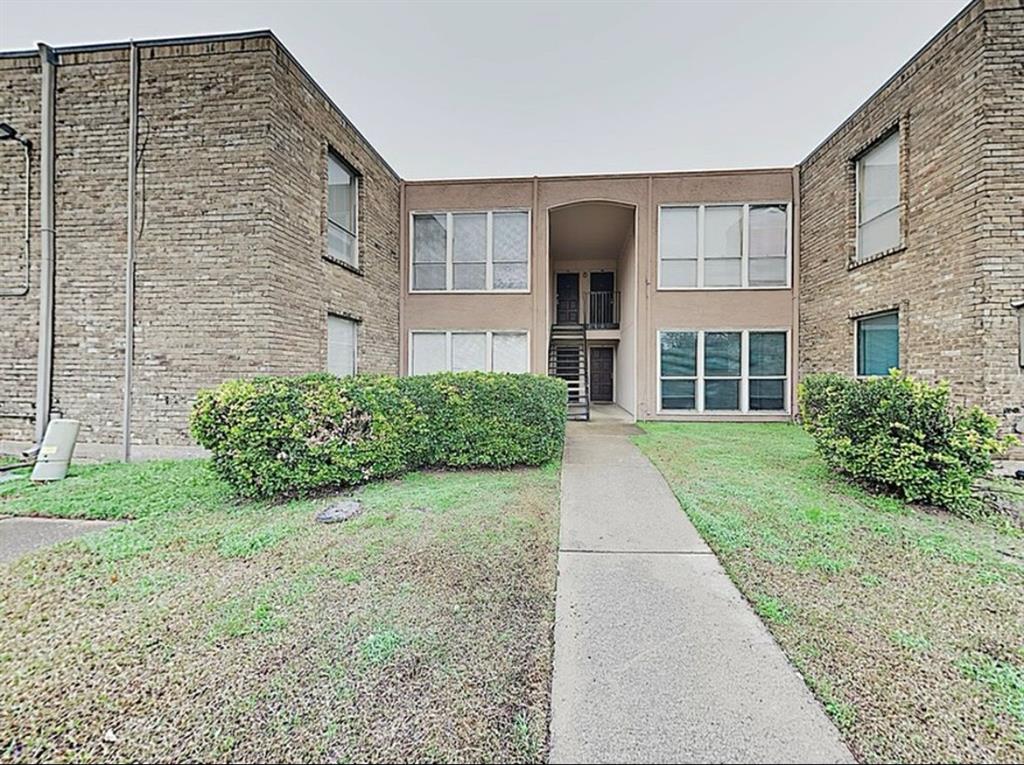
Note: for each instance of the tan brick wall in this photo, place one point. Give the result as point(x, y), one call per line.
point(19, 106)
point(960, 188)
point(306, 286)
point(229, 279)
point(1001, 261)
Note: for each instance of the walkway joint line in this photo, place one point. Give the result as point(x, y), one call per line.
point(634, 552)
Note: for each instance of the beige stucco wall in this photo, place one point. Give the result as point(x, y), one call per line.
point(645, 309)
point(626, 373)
point(477, 310)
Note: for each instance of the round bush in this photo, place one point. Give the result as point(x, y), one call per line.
point(901, 435)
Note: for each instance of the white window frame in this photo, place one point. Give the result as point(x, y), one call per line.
point(744, 374)
point(355, 338)
point(856, 339)
point(1018, 308)
point(858, 162)
point(744, 246)
point(357, 182)
point(490, 333)
point(449, 268)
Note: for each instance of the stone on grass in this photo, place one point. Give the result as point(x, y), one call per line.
point(340, 511)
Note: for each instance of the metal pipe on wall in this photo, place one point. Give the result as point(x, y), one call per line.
point(47, 137)
point(129, 275)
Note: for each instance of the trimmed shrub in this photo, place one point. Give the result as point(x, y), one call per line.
point(277, 435)
point(901, 435)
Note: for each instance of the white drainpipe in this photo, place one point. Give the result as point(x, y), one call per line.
point(129, 275)
point(44, 367)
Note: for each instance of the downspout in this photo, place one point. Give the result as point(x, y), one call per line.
point(129, 275)
point(44, 366)
point(23, 289)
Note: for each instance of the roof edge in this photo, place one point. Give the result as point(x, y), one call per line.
point(255, 34)
point(151, 42)
point(598, 176)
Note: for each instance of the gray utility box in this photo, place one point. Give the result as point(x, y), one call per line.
point(55, 453)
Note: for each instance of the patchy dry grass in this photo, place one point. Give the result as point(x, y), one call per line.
point(908, 625)
point(211, 630)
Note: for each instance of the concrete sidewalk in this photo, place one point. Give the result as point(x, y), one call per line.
point(20, 536)
point(658, 658)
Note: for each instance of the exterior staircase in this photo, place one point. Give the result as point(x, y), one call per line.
point(567, 359)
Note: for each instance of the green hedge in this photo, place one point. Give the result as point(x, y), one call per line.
point(277, 435)
point(901, 435)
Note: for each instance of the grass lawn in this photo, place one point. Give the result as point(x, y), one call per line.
point(213, 630)
point(908, 625)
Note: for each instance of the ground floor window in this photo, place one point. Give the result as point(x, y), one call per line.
point(878, 344)
point(465, 351)
point(341, 345)
point(723, 371)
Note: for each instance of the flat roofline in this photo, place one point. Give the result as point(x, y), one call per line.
point(899, 72)
point(151, 42)
point(598, 176)
point(254, 34)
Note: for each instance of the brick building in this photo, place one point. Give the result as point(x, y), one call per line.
point(270, 237)
point(233, 272)
point(938, 253)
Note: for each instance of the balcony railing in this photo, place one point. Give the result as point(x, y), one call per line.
point(603, 310)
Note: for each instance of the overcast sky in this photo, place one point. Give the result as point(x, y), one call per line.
point(482, 89)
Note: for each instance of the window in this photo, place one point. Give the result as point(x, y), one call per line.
point(511, 250)
point(769, 243)
point(509, 352)
point(723, 371)
point(1019, 308)
point(429, 351)
point(767, 371)
point(679, 244)
point(341, 345)
point(464, 351)
point(878, 344)
point(469, 351)
point(342, 212)
point(429, 253)
point(678, 370)
point(878, 198)
point(723, 246)
point(470, 251)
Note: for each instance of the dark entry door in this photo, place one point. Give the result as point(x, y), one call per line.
point(601, 374)
point(567, 300)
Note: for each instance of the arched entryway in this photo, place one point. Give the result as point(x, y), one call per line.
point(592, 260)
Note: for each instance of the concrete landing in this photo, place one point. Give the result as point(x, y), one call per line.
point(658, 658)
point(20, 536)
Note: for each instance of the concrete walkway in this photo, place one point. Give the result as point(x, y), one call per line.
point(19, 536)
point(658, 658)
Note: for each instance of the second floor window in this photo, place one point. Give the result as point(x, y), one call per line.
point(471, 251)
point(723, 246)
point(342, 212)
point(878, 198)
